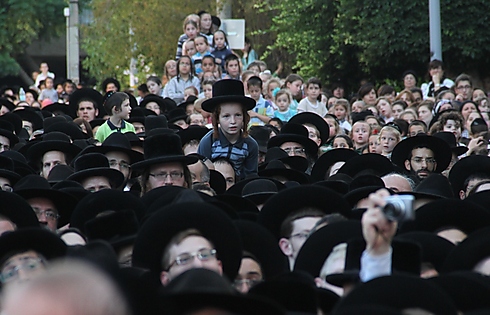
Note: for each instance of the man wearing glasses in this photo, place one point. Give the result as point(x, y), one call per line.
point(422, 155)
point(463, 87)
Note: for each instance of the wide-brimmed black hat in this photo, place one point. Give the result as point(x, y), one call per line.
point(295, 133)
point(361, 187)
point(277, 170)
point(468, 253)
point(207, 289)
point(369, 163)
point(7, 170)
point(7, 130)
point(193, 132)
point(60, 108)
point(15, 120)
point(217, 181)
point(163, 148)
point(261, 134)
point(399, 292)
point(116, 142)
point(165, 104)
point(435, 186)
point(228, 91)
point(448, 213)
point(5, 102)
point(39, 240)
point(440, 148)
point(88, 94)
point(259, 190)
point(243, 207)
point(238, 187)
point(59, 173)
point(320, 244)
point(29, 114)
point(20, 162)
point(314, 119)
point(17, 210)
point(467, 166)
point(328, 159)
point(481, 198)
point(451, 141)
point(189, 101)
point(53, 141)
point(35, 186)
point(176, 115)
point(298, 163)
point(95, 164)
point(68, 128)
point(164, 224)
point(289, 200)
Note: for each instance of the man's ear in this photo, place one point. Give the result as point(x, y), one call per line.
point(462, 194)
point(96, 112)
point(285, 247)
point(407, 165)
point(164, 278)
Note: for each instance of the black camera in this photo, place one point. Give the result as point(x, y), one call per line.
point(399, 208)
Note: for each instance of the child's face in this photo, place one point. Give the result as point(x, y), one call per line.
point(272, 87)
point(340, 112)
point(201, 44)
point(295, 87)
point(357, 107)
point(255, 69)
point(231, 119)
point(49, 83)
point(374, 146)
point(373, 123)
point(191, 31)
point(206, 21)
point(254, 92)
point(154, 107)
point(340, 143)
point(408, 117)
point(190, 48)
point(125, 110)
point(233, 68)
point(196, 119)
point(184, 66)
point(283, 102)
point(189, 92)
point(388, 141)
point(207, 65)
point(313, 91)
point(153, 87)
point(454, 127)
point(332, 131)
point(313, 135)
point(384, 108)
point(219, 40)
point(360, 133)
point(171, 65)
point(397, 110)
point(208, 90)
point(415, 130)
point(59, 88)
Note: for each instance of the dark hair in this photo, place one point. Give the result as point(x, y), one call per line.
point(314, 81)
point(463, 77)
point(209, 57)
point(287, 224)
point(434, 64)
point(254, 81)
point(224, 34)
point(215, 121)
point(365, 89)
point(178, 66)
point(232, 57)
point(203, 37)
point(115, 99)
point(155, 79)
point(113, 81)
point(385, 89)
point(347, 139)
point(418, 123)
point(143, 88)
point(290, 79)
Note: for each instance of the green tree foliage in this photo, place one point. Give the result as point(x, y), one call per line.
point(376, 39)
point(22, 21)
point(146, 30)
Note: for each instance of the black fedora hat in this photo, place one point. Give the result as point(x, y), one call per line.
point(15, 120)
point(193, 132)
point(20, 162)
point(314, 119)
point(59, 173)
point(448, 213)
point(189, 101)
point(295, 133)
point(207, 289)
point(464, 168)
point(361, 187)
point(481, 198)
point(176, 114)
point(40, 240)
point(53, 141)
point(95, 164)
point(243, 207)
point(369, 163)
point(228, 91)
point(7, 169)
point(298, 163)
point(217, 181)
point(238, 187)
point(163, 148)
point(451, 141)
point(165, 104)
point(7, 130)
point(320, 244)
point(155, 122)
point(157, 231)
point(261, 134)
point(259, 190)
point(59, 108)
point(399, 292)
point(68, 128)
point(289, 200)
point(17, 210)
point(7, 103)
point(259, 242)
point(116, 142)
point(471, 251)
point(328, 159)
point(138, 114)
point(86, 94)
point(29, 114)
point(440, 148)
point(35, 186)
point(277, 170)
point(435, 186)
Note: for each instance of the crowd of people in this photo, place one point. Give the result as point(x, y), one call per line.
point(222, 188)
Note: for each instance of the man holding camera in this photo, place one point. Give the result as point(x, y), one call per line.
point(422, 155)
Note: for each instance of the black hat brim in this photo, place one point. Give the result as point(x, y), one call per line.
point(328, 159)
point(134, 156)
point(186, 160)
point(314, 119)
point(289, 174)
point(310, 146)
point(211, 104)
point(115, 177)
point(37, 150)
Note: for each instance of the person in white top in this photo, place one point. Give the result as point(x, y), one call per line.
point(44, 68)
point(311, 102)
point(437, 80)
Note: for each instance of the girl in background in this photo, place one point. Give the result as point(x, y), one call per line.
point(191, 30)
point(221, 50)
point(294, 83)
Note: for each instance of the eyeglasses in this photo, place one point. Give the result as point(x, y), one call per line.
point(163, 176)
point(466, 87)
point(28, 265)
point(296, 150)
point(238, 283)
point(186, 258)
point(302, 235)
point(427, 160)
point(50, 215)
point(123, 165)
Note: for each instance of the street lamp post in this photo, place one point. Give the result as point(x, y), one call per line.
point(435, 29)
point(72, 45)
